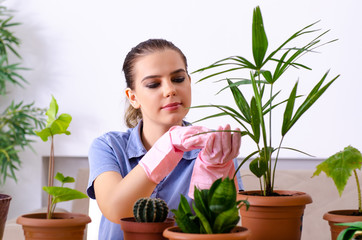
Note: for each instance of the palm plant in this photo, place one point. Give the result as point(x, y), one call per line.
point(255, 115)
point(18, 120)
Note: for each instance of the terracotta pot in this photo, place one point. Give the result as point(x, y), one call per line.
point(340, 216)
point(238, 233)
point(133, 230)
point(69, 226)
point(4, 209)
point(274, 217)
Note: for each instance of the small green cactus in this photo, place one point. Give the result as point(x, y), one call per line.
point(150, 210)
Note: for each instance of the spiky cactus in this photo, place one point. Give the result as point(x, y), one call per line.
point(150, 210)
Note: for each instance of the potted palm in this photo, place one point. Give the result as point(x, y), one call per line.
point(255, 116)
point(340, 167)
point(214, 216)
point(18, 119)
point(149, 221)
point(53, 225)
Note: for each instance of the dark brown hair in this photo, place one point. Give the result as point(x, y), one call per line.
point(133, 115)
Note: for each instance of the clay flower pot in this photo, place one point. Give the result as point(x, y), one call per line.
point(238, 233)
point(133, 230)
point(340, 216)
point(4, 209)
point(69, 226)
point(274, 217)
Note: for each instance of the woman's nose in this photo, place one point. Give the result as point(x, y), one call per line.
point(169, 90)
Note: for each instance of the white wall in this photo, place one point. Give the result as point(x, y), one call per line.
point(76, 49)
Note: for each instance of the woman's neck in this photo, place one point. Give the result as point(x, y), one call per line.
point(151, 133)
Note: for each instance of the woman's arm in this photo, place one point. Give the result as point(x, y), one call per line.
point(116, 195)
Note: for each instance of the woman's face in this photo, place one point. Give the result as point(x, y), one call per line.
point(162, 88)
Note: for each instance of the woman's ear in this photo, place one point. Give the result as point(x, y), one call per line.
point(131, 96)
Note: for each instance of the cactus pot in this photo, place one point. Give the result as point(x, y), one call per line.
point(274, 217)
point(69, 226)
point(238, 233)
point(133, 230)
point(340, 216)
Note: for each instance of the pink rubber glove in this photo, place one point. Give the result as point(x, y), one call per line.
point(168, 150)
point(215, 159)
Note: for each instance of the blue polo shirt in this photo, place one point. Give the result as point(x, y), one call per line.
point(121, 152)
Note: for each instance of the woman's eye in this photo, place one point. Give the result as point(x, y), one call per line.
point(178, 79)
point(152, 85)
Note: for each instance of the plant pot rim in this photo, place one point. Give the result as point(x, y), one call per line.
point(62, 218)
point(4, 196)
point(133, 220)
point(294, 198)
point(175, 231)
point(341, 215)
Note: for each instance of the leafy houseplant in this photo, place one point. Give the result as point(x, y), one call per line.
point(18, 120)
point(50, 224)
point(216, 212)
point(255, 116)
point(340, 167)
point(57, 125)
point(256, 119)
point(149, 221)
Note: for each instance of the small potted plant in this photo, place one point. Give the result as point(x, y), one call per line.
point(352, 232)
point(340, 168)
point(52, 225)
point(149, 221)
point(256, 117)
point(215, 214)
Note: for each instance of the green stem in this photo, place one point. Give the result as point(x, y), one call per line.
point(50, 176)
point(359, 192)
point(276, 160)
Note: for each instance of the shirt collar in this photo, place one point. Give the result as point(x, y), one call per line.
point(135, 148)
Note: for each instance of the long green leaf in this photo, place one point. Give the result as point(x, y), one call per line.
point(259, 39)
point(309, 101)
point(255, 120)
point(240, 102)
point(288, 112)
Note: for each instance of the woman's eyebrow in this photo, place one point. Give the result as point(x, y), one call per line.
point(157, 76)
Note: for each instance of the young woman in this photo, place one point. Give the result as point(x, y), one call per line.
point(157, 155)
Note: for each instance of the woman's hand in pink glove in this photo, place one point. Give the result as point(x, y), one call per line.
point(168, 150)
point(214, 160)
point(188, 138)
point(222, 146)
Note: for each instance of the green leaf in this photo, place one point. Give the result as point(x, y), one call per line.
point(226, 220)
point(52, 111)
point(339, 166)
point(259, 39)
point(60, 177)
point(255, 120)
point(186, 222)
point(240, 101)
point(224, 196)
point(289, 109)
point(184, 206)
point(201, 202)
point(62, 194)
point(312, 97)
point(55, 125)
point(347, 234)
point(203, 220)
point(258, 167)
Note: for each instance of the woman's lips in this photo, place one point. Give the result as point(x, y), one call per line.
point(171, 106)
